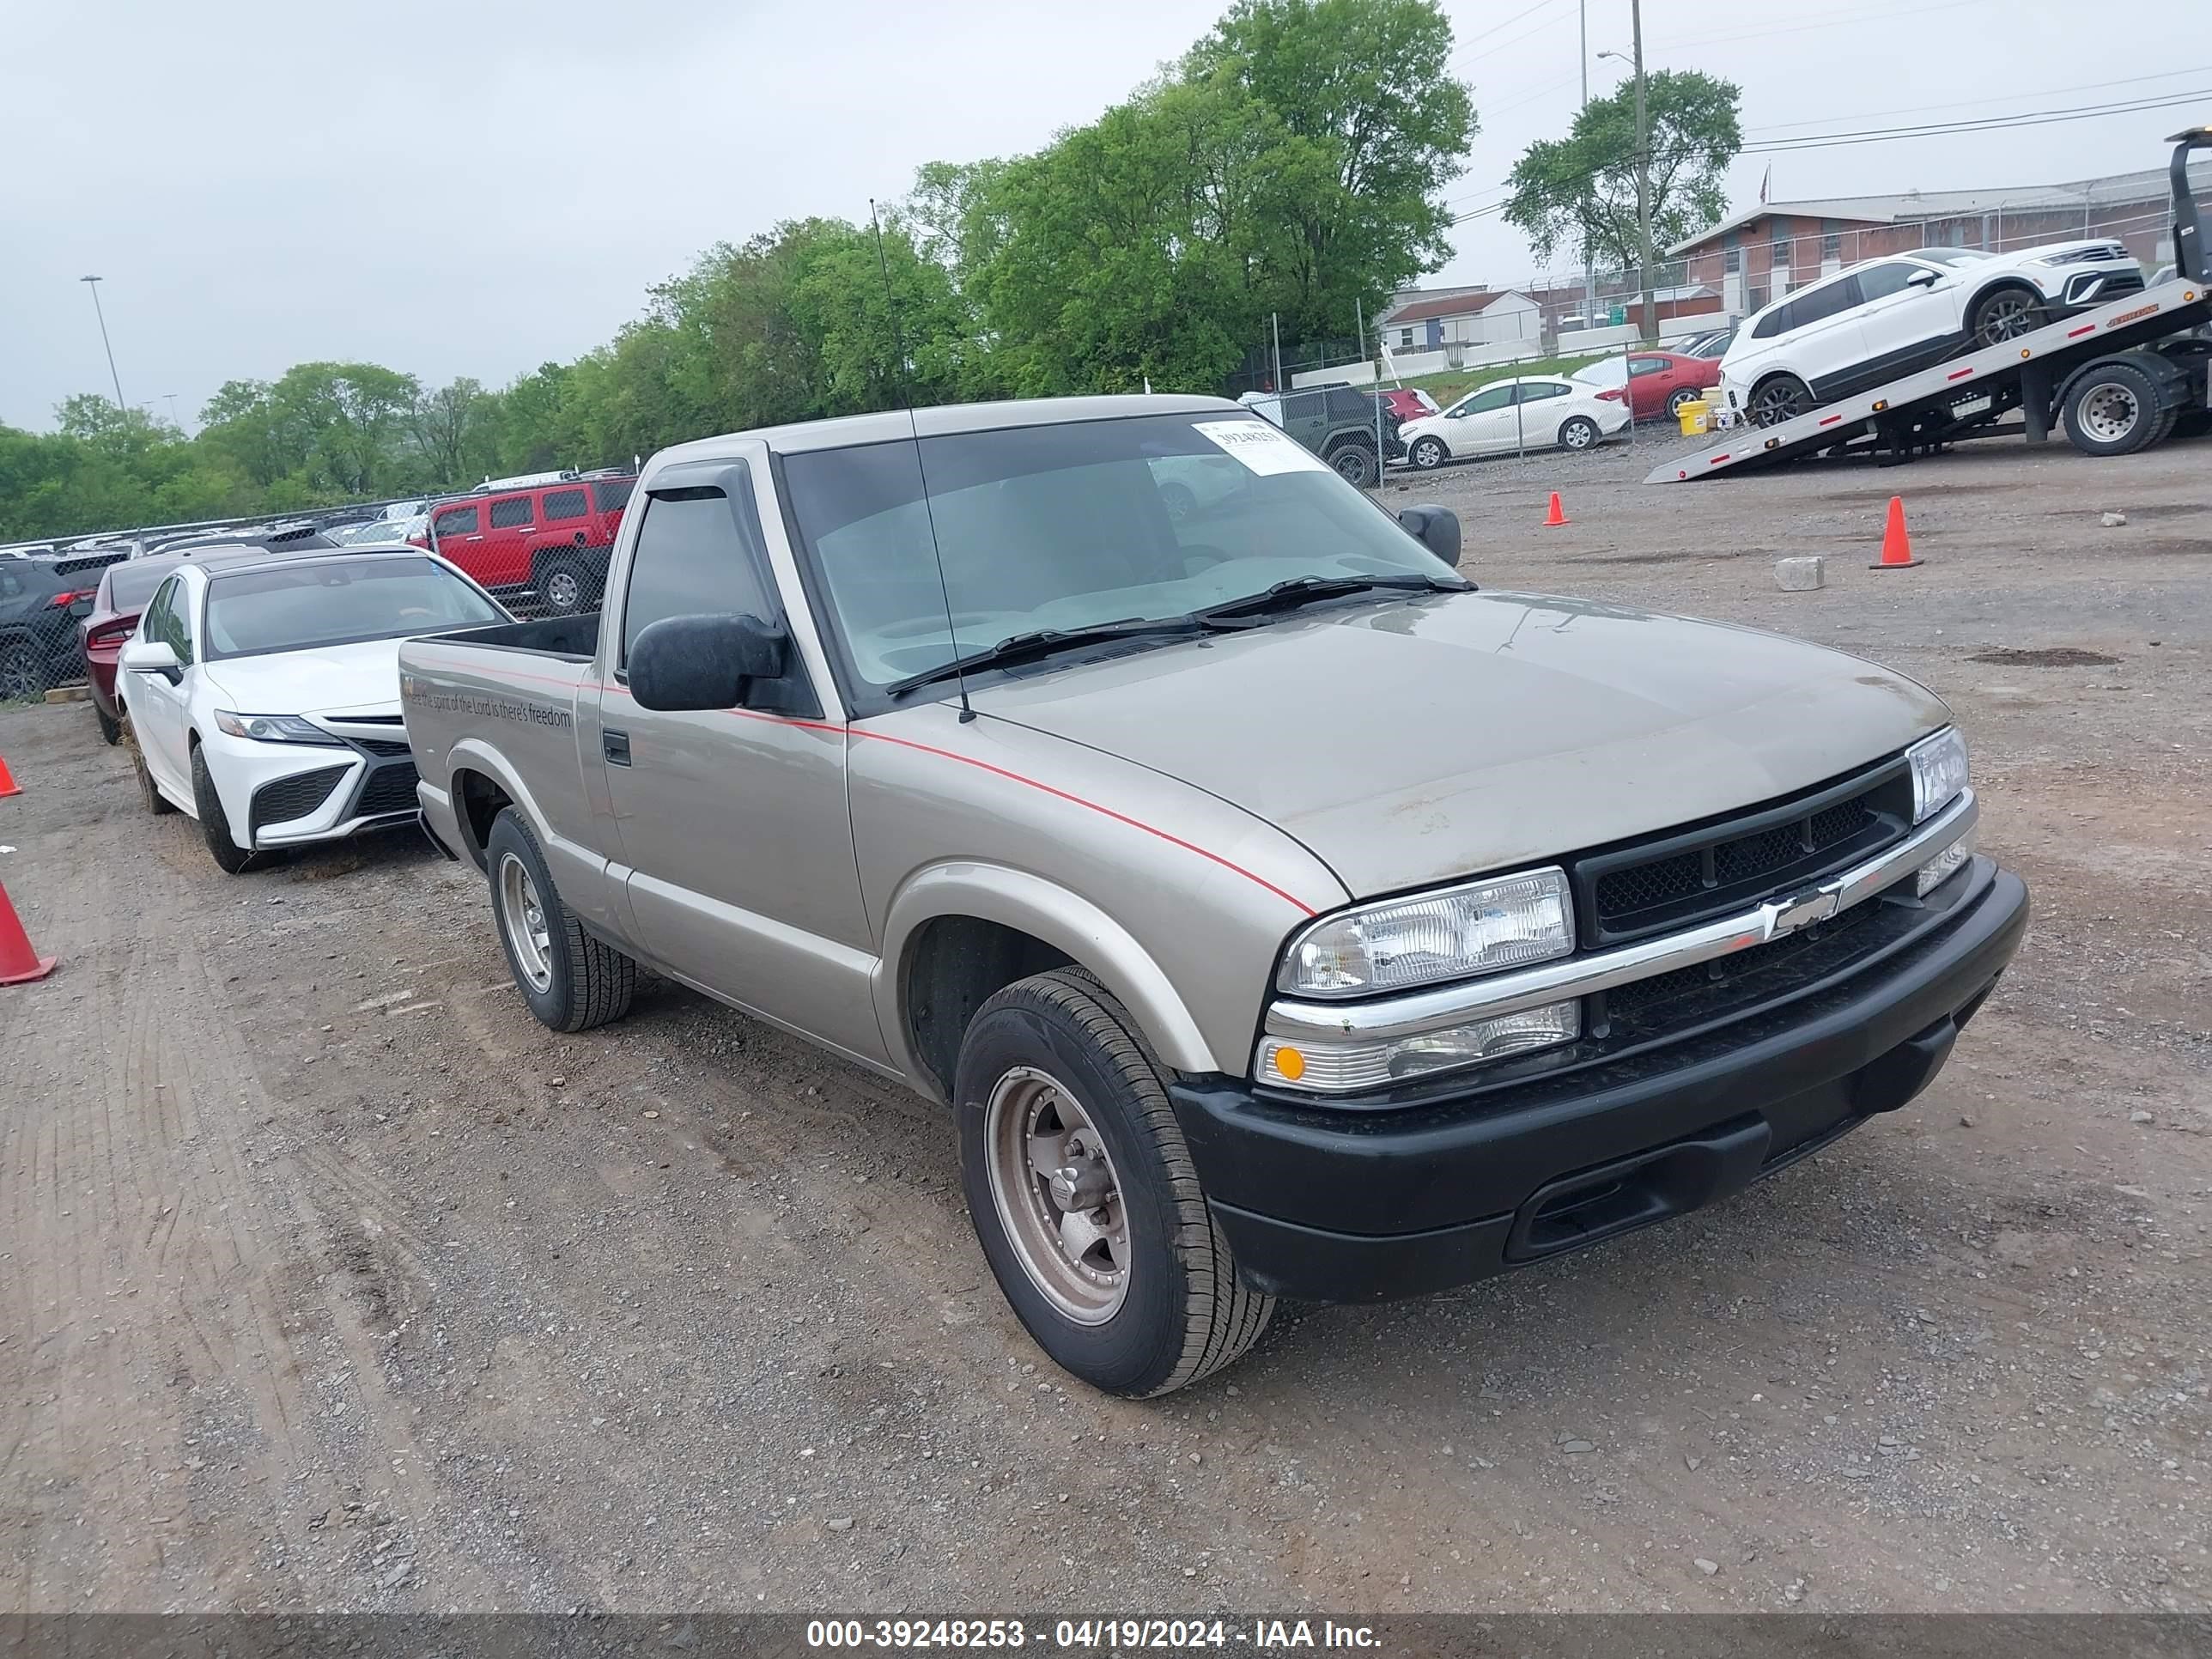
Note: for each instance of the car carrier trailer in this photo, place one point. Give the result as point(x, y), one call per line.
point(2116, 379)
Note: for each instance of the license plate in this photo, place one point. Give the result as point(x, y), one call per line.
point(1972, 406)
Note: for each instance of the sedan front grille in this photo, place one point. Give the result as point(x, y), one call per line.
point(293, 797)
point(1676, 880)
point(389, 789)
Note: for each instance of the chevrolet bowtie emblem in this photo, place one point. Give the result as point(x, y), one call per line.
point(1787, 915)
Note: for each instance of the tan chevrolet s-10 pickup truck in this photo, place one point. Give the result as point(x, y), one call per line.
point(1277, 913)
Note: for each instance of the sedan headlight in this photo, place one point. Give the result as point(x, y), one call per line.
point(1503, 922)
point(272, 728)
point(1939, 772)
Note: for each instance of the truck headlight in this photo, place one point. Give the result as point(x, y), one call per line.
point(272, 728)
point(1502, 922)
point(1939, 772)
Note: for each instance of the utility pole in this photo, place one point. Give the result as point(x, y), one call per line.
point(1275, 322)
point(1590, 264)
point(121, 407)
point(1644, 176)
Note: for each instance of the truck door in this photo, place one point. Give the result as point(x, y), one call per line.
point(733, 822)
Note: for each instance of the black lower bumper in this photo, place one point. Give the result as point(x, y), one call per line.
point(1337, 1204)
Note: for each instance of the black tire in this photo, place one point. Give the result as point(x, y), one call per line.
point(1677, 398)
point(586, 982)
point(1428, 454)
point(1183, 1313)
point(22, 673)
point(2113, 409)
point(229, 857)
point(111, 729)
point(1355, 464)
point(1579, 433)
point(2005, 313)
point(156, 802)
point(564, 584)
point(1780, 398)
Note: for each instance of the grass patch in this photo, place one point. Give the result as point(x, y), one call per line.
point(1454, 383)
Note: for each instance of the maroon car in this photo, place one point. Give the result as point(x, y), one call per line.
point(1406, 402)
point(124, 590)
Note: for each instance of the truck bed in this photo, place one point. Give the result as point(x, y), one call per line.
point(576, 639)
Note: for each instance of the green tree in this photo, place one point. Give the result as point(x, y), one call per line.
point(1578, 193)
point(454, 430)
point(1373, 125)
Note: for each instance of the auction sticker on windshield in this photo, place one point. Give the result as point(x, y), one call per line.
point(1261, 448)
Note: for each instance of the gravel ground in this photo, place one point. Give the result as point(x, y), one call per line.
point(334, 1281)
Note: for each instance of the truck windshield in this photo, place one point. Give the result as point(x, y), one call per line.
point(1068, 526)
point(323, 602)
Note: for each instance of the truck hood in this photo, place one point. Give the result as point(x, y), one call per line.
point(1408, 743)
point(336, 680)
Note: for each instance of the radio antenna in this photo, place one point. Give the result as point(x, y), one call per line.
point(913, 428)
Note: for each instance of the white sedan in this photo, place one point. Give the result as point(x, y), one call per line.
point(1534, 412)
point(264, 691)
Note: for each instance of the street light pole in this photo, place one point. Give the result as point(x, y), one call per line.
point(93, 282)
point(1644, 176)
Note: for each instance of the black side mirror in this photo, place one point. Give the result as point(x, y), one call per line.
point(1923, 279)
point(704, 662)
point(1436, 528)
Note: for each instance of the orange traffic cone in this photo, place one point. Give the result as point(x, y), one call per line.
point(7, 784)
point(1558, 515)
point(19, 963)
point(1896, 544)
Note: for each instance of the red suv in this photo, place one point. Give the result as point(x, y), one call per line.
point(550, 539)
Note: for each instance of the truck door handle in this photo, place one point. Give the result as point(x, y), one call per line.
point(616, 745)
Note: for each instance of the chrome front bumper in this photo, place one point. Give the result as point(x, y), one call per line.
point(1314, 1025)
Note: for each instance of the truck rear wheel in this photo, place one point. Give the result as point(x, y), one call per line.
point(2113, 409)
point(571, 979)
point(1084, 1195)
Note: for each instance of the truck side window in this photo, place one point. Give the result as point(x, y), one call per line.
point(699, 553)
point(510, 512)
point(458, 521)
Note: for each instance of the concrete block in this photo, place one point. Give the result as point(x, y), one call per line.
point(1800, 576)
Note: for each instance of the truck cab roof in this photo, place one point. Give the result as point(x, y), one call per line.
point(890, 425)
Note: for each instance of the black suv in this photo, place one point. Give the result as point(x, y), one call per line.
point(40, 599)
point(1338, 424)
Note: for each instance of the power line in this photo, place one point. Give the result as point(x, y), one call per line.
point(1987, 123)
point(1967, 103)
point(1494, 30)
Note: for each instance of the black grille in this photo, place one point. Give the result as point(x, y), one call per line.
point(384, 748)
point(292, 798)
point(1691, 875)
point(389, 789)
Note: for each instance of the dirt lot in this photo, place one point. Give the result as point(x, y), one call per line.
point(333, 1280)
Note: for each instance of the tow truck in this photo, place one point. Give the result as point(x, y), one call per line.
point(2115, 378)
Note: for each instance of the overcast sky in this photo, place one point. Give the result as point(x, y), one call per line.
point(476, 187)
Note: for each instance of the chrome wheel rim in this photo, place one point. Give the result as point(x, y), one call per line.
point(1057, 1195)
point(1428, 454)
point(2007, 319)
point(1578, 435)
point(2110, 411)
point(523, 917)
point(562, 590)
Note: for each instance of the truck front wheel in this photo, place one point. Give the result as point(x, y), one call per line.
point(2113, 409)
point(571, 979)
point(1084, 1195)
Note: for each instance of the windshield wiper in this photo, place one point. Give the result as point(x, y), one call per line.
point(1042, 642)
point(1304, 590)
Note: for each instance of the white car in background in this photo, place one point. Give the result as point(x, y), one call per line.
point(1887, 317)
point(264, 691)
point(1533, 412)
